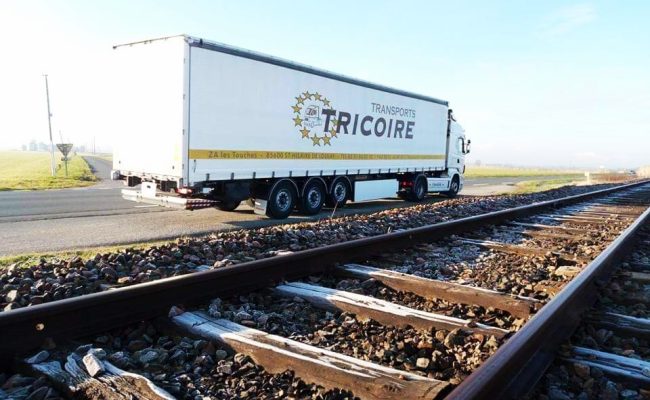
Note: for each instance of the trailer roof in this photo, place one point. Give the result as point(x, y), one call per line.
point(236, 51)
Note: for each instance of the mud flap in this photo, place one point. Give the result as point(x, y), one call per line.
point(260, 207)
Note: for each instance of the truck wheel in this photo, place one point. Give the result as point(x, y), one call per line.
point(313, 198)
point(339, 195)
point(228, 205)
point(454, 188)
point(419, 189)
point(281, 201)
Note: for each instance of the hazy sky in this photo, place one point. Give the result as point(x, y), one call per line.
point(533, 83)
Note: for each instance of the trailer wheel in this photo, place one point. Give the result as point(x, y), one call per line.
point(228, 205)
point(419, 189)
point(339, 195)
point(313, 198)
point(281, 201)
point(453, 188)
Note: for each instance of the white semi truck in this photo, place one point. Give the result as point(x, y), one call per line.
point(205, 124)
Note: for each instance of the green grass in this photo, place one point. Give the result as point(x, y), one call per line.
point(540, 185)
point(526, 187)
point(104, 156)
point(26, 170)
point(473, 171)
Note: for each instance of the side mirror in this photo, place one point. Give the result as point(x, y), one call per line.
point(467, 146)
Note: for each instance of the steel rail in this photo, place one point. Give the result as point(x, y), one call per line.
point(518, 364)
point(26, 328)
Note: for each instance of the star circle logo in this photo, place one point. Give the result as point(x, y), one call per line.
point(308, 118)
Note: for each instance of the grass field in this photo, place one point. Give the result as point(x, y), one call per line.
point(526, 187)
point(104, 156)
point(555, 182)
point(473, 171)
point(26, 170)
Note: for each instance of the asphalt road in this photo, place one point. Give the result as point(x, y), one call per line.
point(101, 199)
point(488, 186)
point(64, 219)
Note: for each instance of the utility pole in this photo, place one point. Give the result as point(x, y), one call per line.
point(49, 122)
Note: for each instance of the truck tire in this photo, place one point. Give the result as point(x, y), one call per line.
point(228, 205)
point(453, 188)
point(313, 197)
point(339, 195)
point(282, 200)
point(419, 190)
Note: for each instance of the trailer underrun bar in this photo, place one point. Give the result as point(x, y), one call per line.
point(168, 201)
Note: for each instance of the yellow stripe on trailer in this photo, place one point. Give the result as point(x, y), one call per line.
point(300, 155)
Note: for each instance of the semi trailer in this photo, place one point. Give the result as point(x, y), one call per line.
point(204, 124)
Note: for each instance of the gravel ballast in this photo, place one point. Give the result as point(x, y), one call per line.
point(52, 280)
point(575, 380)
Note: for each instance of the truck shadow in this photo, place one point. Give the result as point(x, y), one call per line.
point(365, 207)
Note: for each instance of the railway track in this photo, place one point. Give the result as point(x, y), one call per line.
point(608, 355)
point(472, 308)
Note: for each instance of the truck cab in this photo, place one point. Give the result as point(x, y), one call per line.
point(450, 181)
point(458, 146)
